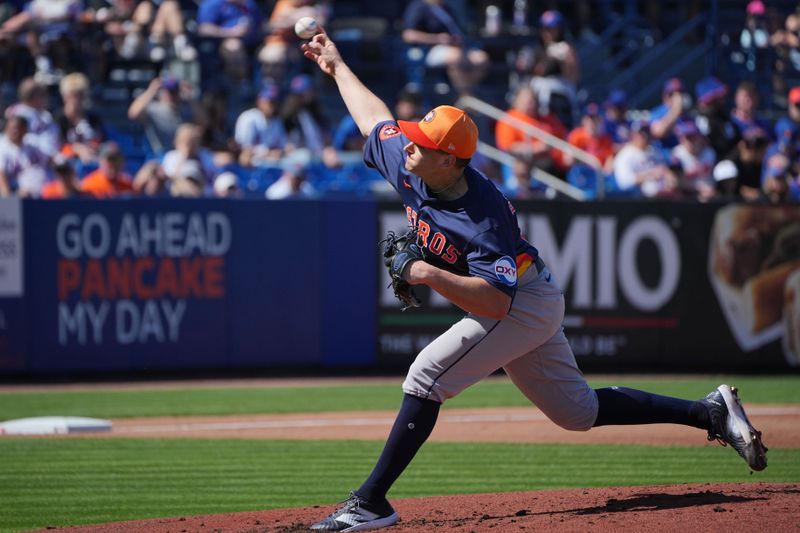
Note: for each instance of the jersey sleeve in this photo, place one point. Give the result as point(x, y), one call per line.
point(384, 151)
point(493, 260)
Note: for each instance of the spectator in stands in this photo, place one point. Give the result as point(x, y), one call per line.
point(694, 162)
point(615, 123)
point(409, 105)
point(430, 25)
point(144, 27)
point(260, 132)
point(226, 185)
point(787, 145)
point(521, 175)
point(347, 137)
point(23, 166)
point(110, 179)
point(726, 176)
point(521, 70)
point(280, 45)
point(237, 24)
point(556, 70)
point(747, 161)
point(591, 137)
point(81, 129)
point(189, 153)
point(121, 24)
point(674, 105)
point(510, 138)
point(754, 38)
point(42, 131)
point(10, 8)
point(162, 108)
point(794, 187)
point(639, 166)
point(745, 107)
point(305, 124)
point(216, 134)
point(66, 183)
point(786, 44)
point(188, 181)
point(490, 168)
point(750, 161)
point(777, 182)
point(165, 22)
point(150, 180)
point(13, 54)
point(713, 117)
point(787, 132)
point(348, 143)
point(50, 29)
point(292, 185)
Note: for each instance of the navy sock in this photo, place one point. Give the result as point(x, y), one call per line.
point(624, 406)
point(412, 427)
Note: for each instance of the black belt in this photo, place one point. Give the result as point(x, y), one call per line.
point(539, 264)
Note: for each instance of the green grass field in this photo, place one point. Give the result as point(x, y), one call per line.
point(59, 482)
point(227, 401)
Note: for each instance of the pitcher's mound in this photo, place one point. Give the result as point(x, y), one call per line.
point(770, 507)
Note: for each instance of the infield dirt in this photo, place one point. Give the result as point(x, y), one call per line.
point(675, 508)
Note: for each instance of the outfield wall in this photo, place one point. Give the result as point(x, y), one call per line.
point(164, 284)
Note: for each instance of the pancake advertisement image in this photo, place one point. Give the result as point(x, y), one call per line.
point(754, 268)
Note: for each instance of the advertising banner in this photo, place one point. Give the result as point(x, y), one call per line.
point(647, 285)
point(116, 282)
point(754, 269)
point(165, 284)
point(13, 311)
point(11, 248)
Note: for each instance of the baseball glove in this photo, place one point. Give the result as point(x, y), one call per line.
point(398, 252)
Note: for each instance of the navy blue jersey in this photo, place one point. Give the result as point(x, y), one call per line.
point(476, 234)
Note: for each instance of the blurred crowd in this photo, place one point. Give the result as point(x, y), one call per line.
point(703, 142)
point(694, 146)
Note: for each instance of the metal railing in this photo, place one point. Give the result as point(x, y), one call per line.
point(474, 104)
point(538, 174)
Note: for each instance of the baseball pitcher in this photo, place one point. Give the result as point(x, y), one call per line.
point(466, 245)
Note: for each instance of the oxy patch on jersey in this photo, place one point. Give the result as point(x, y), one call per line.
point(506, 270)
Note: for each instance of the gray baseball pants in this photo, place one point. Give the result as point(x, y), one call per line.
point(529, 344)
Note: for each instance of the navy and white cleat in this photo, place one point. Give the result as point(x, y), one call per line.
point(357, 514)
point(729, 425)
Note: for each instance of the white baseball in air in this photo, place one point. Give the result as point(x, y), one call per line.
point(306, 27)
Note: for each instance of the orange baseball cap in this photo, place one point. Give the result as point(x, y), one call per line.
point(794, 95)
point(444, 128)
